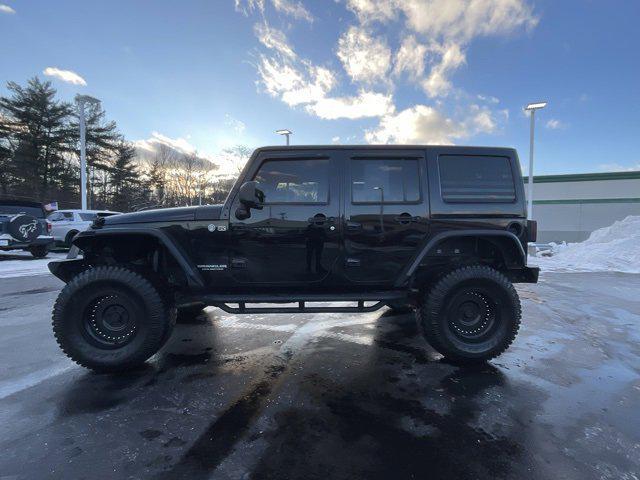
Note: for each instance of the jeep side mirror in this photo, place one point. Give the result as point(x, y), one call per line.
point(251, 196)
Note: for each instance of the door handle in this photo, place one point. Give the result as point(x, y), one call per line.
point(318, 219)
point(353, 226)
point(404, 219)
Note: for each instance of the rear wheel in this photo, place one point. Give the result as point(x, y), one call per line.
point(39, 251)
point(471, 315)
point(110, 319)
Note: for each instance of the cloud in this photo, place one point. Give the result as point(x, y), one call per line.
point(447, 27)
point(418, 124)
point(365, 104)
point(274, 39)
point(298, 84)
point(410, 57)
point(423, 124)
point(335, 140)
point(463, 20)
point(294, 9)
point(174, 151)
point(236, 125)
point(369, 11)
point(451, 58)
point(247, 7)
point(434, 37)
point(554, 124)
point(65, 75)
point(6, 9)
point(288, 7)
point(365, 58)
point(180, 145)
point(488, 99)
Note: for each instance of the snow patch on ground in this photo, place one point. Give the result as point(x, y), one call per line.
point(615, 248)
point(17, 263)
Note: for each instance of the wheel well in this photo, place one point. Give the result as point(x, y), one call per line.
point(69, 236)
point(141, 252)
point(498, 252)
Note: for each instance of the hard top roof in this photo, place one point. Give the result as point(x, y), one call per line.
point(20, 203)
point(378, 147)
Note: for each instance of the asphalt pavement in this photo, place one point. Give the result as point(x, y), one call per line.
point(332, 396)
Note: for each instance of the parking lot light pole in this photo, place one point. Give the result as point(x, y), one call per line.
point(532, 107)
point(286, 133)
point(81, 100)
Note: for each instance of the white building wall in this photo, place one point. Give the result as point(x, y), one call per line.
point(570, 210)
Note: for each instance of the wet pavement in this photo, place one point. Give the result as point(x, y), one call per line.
point(332, 396)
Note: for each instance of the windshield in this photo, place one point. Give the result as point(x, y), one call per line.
point(15, 209)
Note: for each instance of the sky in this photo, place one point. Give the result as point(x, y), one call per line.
point(203, 75)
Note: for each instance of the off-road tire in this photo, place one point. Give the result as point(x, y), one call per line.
point(471, 315)
point(69, 238)
point(84, 325)
point(39, 251)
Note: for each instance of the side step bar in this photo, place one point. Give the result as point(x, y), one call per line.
point(380, 299)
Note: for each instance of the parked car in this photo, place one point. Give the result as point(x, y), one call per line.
point(67, 223)
point(23, 227)
point(443, 230)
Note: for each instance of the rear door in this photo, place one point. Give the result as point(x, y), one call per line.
point(295, 238)
point(386, 212)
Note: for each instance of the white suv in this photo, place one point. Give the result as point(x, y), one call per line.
point(67, 223)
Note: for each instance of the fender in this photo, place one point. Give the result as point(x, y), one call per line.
point(194, 279)
point(411, 267)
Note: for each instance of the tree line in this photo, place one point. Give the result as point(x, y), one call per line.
point(40, 151)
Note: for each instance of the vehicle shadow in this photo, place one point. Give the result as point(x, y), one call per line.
point(191, 353)
point(403, 413)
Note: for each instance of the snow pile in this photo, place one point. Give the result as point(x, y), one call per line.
point(16, 263)
point(614, 248)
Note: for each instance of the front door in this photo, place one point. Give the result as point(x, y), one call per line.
point(295, 238)
point(386, 213)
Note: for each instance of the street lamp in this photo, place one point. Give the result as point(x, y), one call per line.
point(532, 107)
point(81, 100)
point(285, 132)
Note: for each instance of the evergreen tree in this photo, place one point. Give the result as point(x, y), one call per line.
point(125, 182)
point(34, 127)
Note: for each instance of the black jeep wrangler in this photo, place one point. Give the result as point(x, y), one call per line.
point(441, 230)
point(23, 226)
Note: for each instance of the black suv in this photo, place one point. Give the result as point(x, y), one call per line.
point(441, 230)
point(23, 226)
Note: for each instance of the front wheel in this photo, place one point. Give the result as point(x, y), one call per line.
point(110, 319)
point(471, 315)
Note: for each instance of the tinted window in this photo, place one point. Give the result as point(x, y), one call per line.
point(294, 181)
point(465, 178)
point(16, 209)
point(394, 180)
point(87, 217)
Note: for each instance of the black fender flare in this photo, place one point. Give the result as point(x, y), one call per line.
point(194, 279)
point(412, 266)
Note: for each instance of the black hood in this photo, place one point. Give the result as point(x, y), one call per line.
point(179, 214)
